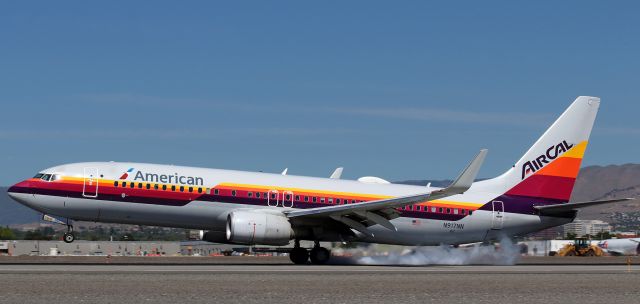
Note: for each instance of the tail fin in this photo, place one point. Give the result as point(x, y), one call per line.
point(549, 168)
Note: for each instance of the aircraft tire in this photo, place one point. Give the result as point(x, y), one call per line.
point(69, 237)
point(299, 255)
point(320, 255)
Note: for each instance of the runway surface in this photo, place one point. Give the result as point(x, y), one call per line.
point(251, 283)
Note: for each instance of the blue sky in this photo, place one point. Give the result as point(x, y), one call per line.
point(400, 90)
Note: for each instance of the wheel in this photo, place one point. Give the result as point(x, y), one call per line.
point(571, 253)
point(69, 237)
point(320, 255)
point(299, 255)
point(590, 253)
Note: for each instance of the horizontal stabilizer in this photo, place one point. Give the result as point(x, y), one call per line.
point(564, 208)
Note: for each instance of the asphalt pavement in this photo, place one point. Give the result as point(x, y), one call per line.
point(286, 283)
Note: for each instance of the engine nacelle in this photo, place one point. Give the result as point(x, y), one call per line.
point(255, 227)
point(214, 237)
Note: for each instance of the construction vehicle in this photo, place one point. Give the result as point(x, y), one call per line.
point(580, 247)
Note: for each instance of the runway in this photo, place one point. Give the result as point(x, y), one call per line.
point(263, 283)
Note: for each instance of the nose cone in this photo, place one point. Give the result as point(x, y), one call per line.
point(21, 187)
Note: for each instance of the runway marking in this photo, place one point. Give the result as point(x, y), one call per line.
point(546, 269)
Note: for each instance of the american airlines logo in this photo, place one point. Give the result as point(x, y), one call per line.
point(126, 174)
point(164, 178)
point(552, 153)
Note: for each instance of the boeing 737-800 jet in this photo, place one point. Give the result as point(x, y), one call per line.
point(274, 209)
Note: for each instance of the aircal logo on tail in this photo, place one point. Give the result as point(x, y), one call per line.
point(552, 153)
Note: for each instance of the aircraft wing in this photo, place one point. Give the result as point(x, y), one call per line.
point(360, 215)
point(564, 208)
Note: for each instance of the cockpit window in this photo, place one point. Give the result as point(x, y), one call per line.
point(54, 177)
point(46, 177)
point(39, 175)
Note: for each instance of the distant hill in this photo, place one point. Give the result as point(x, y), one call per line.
point(11, 212)
point(595, 182)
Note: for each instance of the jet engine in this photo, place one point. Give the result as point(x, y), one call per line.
point(255, 227)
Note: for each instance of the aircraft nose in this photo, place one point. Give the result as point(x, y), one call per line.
point(21, 187)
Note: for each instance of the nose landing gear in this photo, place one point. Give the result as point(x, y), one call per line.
point(69, 236)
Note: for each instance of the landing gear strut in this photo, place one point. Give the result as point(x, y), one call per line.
point(319, 255)
point(69, 236)
point(298, 255)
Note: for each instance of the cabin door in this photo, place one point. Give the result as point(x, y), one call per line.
point(497, 216)
point(90, 183)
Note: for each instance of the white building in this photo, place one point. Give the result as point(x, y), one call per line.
point(584, 227)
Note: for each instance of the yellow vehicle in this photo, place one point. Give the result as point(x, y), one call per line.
point(580, 247)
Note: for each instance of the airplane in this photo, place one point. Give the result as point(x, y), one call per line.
point(629, 246)
point(255, 208)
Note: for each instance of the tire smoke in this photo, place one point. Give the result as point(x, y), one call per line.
point(505, 253)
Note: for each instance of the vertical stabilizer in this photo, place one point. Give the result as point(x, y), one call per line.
point(549, 168)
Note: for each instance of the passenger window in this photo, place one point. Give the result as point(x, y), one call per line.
point(470, 212)
point(433, 209)
point(216, 191)
point(288, 197)
point(418, 208)
point(257, 194)
point(148, 186)
point(233, 193)
point(306, 198)
point(346, 201)
point(448, 210)
point(463, 211)
point(322, 200)
point(199, 190)
point(330, 200)
point(132, 185)
point(173, 188)
point(315, 199)
point(249, 194)
point(440, 209)
point(115, 184)
point(273, 196)
point(455, 210)
point(124, 184)
point(140, 185)
point(164, 187)
point(338, 201)
point(191, 189)
point(181, 188)
point(297, 198)
point(155, 186)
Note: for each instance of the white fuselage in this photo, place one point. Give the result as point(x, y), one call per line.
point(88, 192)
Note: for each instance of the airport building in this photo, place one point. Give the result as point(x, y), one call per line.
point(55, 248)
point(584, 227)
point(104, 248)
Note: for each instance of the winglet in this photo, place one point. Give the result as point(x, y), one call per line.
point(337, 173)
point(468, 175)
point(284, 172)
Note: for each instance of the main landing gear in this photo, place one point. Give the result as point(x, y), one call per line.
point(69, 236)
point(318, 255)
